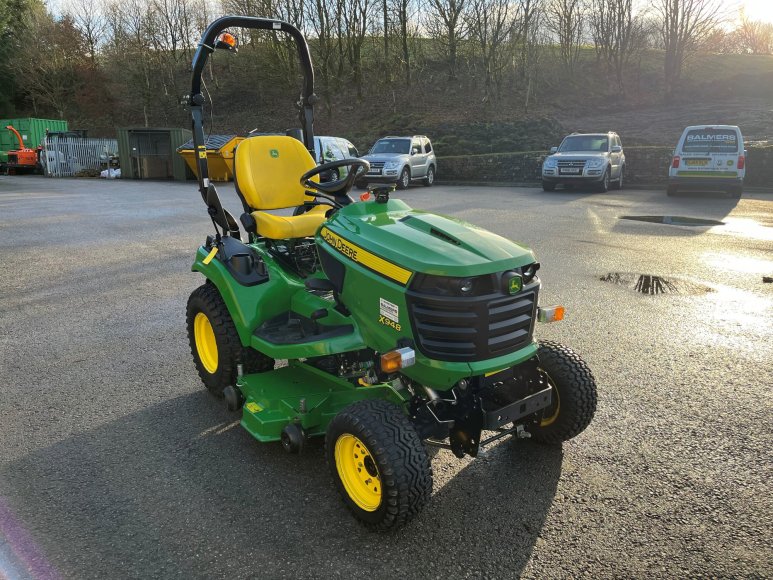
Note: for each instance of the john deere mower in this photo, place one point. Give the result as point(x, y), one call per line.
point(401, 329)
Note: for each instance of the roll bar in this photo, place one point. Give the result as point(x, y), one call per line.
point(196, 99)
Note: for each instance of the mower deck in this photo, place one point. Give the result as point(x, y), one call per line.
point(301, 394)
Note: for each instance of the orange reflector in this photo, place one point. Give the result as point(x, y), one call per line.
point(394, 360)
point(550, 314)
point(365, 196)
point(390, 362)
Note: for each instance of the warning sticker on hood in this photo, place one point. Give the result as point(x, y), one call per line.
point(389, 310)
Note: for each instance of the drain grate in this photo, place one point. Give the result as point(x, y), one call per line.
point(673, 220)
point(651, 284)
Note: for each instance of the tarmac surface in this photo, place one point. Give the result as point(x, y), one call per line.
point(115, 462)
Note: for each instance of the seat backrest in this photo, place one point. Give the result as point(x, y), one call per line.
point(268, 169)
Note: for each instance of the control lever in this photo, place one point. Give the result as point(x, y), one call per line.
point(316, 315)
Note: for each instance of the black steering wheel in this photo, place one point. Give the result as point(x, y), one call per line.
point(336, 189)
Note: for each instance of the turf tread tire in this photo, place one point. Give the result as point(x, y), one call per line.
point(404, 466)
point(206, 298)
point(577, 389)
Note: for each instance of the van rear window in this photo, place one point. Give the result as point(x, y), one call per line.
point(711, 141)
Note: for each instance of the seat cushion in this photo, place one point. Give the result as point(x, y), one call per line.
point(279, 227)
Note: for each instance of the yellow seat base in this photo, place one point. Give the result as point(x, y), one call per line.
point(279, 227)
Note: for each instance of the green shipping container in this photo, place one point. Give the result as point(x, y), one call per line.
point(151, 153)
point(32, 131)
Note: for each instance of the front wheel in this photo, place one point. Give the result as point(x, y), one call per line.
point(574, 395)
point(604, 183)
point(405, 179)
point(547, 186)
point(430, 179)
point(378, 463)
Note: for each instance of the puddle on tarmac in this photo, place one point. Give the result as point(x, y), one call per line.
point(673, 220)
point(651, 284)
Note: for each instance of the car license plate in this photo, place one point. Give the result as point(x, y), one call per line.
point(374, 172)
point(570, 170)
point(696, 162)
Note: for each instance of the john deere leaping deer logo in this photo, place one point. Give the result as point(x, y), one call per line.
point(274, 153)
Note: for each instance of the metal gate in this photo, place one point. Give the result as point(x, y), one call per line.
point(71, 156)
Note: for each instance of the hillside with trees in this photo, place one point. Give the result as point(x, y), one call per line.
point(478, 75)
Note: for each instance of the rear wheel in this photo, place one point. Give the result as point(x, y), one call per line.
point(548, 186)
point(379, 464)
point(430, 179)
point(574, 394)
point(405, 179)
point(215, 344)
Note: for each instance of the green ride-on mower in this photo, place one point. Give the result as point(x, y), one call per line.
point(401, 329)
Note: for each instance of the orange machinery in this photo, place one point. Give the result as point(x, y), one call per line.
point(22, 158)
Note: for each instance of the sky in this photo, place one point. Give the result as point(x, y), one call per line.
point(758, 10)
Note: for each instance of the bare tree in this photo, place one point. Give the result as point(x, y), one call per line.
point(88, 16)
point(755, 37)
point(684, 26)
point(565, 21)
point(444, 21)
point(618, 33)
point(491, 24)
point(352, 28)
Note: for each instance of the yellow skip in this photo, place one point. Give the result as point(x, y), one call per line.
point(253, 407)
point(209, 257)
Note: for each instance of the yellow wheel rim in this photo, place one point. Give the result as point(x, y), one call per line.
point(358, 472)
point(206, 345)
point(553, 416)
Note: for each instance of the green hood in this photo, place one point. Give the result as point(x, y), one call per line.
point(426, 242)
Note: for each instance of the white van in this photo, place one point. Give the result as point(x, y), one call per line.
point(708, 158)
point(327, 149)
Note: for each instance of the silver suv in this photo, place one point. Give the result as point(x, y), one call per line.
point(400, 160)
point(595, 159)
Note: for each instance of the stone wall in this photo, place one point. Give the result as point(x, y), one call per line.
point(644, 166)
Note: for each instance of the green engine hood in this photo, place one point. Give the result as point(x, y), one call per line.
point(426, 242)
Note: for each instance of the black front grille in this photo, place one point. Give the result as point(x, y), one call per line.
point(465, 329)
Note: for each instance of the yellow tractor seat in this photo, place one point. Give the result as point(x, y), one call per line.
point(267, 173)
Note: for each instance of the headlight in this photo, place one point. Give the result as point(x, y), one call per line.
point(447, 286)
point(551, 163)
point(391, 165)
point(596, 163)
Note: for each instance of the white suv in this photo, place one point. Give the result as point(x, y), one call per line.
point(595, 159)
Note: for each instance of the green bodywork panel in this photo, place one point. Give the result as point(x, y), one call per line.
point(274, 399)
point(387, 243)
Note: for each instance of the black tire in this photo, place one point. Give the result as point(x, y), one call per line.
point(574, 395)
point(671, 190)
point(548, 186)
point(430, 179)
point(603, 185)
point(736, 192)
point(405, 179)
point(207, 300)
point(619, 184)
point(402, 466)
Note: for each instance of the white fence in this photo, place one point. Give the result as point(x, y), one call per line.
point(68, 156)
